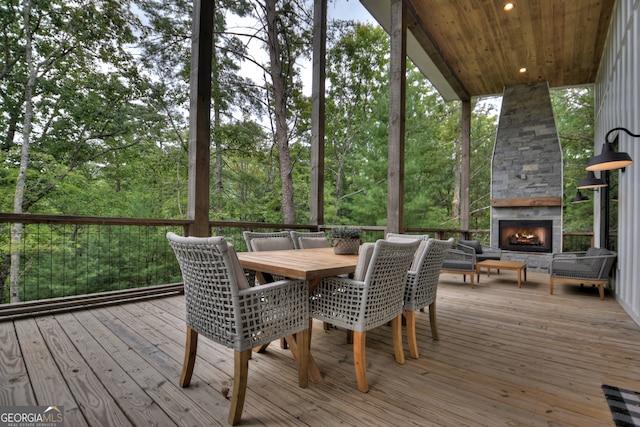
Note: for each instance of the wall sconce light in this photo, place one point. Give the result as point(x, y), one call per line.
point(591, 182)
point(579, 198)
point(610, 159)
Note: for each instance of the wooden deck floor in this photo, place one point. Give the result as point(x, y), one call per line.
point(506, 356)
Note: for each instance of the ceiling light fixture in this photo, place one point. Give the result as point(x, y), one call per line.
point(609, 158)
point(508, 6)
point(522, 70)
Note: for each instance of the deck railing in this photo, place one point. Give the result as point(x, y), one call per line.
point(62, 257)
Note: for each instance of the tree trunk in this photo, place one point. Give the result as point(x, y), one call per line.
point(455, 203)
point(280, 112)
point(216, 96)
point(16, 229)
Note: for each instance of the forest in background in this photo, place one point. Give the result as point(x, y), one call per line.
point(95, 100)
point(110, 121)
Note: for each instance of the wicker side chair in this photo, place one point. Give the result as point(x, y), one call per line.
point(590, 267)
point(221, 306)
point(309, 239)
point(422, 287)
point(361, 305)
point(482, 251)
point(460, 260)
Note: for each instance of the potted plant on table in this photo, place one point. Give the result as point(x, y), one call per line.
point(346, 240)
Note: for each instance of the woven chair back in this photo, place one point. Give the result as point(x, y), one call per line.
point(384, 283)
point(422, 285)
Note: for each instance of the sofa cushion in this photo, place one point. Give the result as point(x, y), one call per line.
point(366, 252)
point(485, 256)
point(576, 270)
point(241, 278)
point(597, 252)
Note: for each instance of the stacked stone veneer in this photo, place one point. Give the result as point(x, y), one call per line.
point(527, 164)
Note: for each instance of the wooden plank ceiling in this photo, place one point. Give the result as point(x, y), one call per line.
point(479, 48)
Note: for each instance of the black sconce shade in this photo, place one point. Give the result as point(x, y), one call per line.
point(579, 198)
point(591, 182)
point(609, 158)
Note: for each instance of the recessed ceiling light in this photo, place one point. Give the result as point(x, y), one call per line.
point(522, 70)
point(508, 6)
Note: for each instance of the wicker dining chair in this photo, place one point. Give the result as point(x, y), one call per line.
point(422, 287)
point(268, 241)
point(221, 306)
point(361, 305)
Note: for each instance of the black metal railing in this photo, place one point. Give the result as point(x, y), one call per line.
point(66, 256)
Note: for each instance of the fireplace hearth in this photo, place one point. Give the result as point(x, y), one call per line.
point(526, 235)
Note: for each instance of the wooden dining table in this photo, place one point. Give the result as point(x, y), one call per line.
point(311, 265)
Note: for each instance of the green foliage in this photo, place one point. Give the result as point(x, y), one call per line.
point(574, 114)
point(344, 232)
point(110, 137)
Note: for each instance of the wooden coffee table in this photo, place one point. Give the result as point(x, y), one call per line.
point(518, 266)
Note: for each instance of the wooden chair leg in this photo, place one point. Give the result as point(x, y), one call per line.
point(551, 286)
point(190, 350)
point(411, 333)
point(360, 360)
point(240, 376)
point(601, 290)
point(349, 336)
point(433, 321)
point(396, 326)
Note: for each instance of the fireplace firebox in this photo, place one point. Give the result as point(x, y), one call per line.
point(526, 235)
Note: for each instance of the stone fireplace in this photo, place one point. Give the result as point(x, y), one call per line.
point(526, 177)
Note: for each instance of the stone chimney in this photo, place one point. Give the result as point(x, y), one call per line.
point(526, 173)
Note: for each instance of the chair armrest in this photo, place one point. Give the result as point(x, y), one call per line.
point(271, 311)
point(461, 247)
point(460, 255)
point(338, 284)
point(296, 288)
point(569, 255)
point(337, 300)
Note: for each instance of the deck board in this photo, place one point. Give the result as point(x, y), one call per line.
point(506, 356)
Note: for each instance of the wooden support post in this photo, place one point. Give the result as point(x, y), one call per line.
point(199, 117)
point(318, 111)
point(465, 172)
point(397, 97)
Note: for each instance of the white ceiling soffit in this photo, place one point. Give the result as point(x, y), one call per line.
point(381, 11)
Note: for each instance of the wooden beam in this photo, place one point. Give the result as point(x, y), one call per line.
point(419, 30)
point(397, 97)
point(526, 202)
point(199, 116)
point(318, 111)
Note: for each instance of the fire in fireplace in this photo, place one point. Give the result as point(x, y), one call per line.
point(526, 235)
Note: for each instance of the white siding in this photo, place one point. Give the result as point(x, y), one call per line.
point(617, 104)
